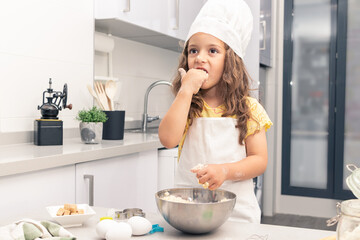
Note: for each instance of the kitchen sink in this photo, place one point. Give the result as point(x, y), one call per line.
point(138, 130)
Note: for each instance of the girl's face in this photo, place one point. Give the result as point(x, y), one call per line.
point(207, 53)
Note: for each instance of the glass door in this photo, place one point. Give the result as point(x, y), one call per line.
point(321, 108)
point(308, 78)
point(348, 117)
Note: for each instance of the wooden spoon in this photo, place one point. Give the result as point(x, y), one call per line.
point(100, 91)
point(110, 89)
point(92, 92)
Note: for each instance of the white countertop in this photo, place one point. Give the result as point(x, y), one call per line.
point(21, 158)
point(228, 231)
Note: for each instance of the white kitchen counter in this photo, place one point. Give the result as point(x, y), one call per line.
point(22, 158)
point(228, 231)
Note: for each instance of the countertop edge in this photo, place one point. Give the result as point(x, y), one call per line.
point(30, 164)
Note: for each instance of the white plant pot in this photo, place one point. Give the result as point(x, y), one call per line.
point(91, 132)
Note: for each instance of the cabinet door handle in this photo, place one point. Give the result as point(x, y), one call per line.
point(177, 9)
point(263, 24)
point(91, 188)
point(127, 9)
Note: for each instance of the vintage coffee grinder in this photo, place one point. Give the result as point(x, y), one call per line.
point(49, 129)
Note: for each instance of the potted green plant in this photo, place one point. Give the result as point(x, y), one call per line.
point(91, 124)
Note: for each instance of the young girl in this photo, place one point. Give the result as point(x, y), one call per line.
point(213, 119)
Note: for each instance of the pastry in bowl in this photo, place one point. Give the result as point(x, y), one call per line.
point(195, 210)
point(69, 215)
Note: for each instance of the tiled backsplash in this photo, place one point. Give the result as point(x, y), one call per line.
point(136, 66)
point(40, 40)
point(55, 39)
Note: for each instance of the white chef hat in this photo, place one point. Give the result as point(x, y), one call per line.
point(230, 21)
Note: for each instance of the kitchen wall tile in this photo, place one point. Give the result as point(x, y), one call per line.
point(137, 66)
point(160, 99)
point(56, 40)
point(137, 59)
point(47, 29)
point(132, 93)
point(101, 64)
point(44, 39)
point(23, 91)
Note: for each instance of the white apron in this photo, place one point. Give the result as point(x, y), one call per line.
point(215, 140)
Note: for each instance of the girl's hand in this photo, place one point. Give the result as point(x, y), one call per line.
point(214, 174)
point(192, 80)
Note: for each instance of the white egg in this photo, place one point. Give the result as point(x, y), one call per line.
point(139, 225)
point(120, 232)
point(103, 226)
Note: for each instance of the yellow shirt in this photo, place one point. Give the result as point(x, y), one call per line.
point(258, 113)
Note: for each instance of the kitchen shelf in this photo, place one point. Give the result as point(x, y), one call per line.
point(105, 78)
point(122, 29)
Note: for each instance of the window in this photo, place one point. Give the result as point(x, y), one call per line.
point(321, 108)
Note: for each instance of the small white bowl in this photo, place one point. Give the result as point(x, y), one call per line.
point(71, 220)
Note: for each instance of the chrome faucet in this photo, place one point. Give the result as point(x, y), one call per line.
point(146, 118)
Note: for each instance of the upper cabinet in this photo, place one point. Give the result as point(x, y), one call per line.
point(188, 10)
point(157, 22)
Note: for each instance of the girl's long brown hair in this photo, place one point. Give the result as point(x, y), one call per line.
point(234, 87)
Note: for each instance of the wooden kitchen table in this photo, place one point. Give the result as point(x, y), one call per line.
point(228, 231)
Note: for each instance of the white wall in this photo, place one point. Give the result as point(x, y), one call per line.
point(42, 39)
point(137, 65)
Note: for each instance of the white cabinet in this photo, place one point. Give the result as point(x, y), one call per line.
point(166, 168)
point(188, 10)
point(177, 16)
point(147, 14)
point(158, 22)
point(28, 193)
point(120, 182)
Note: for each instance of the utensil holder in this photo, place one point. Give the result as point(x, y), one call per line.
point(114, 127)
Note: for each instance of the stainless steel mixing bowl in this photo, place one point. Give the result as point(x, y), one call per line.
point(205, 213)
